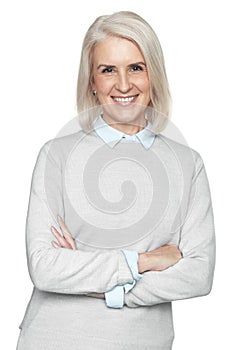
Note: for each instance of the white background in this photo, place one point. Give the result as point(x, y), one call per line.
point(40, 51)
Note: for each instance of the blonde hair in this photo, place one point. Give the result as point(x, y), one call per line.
point(127, 25)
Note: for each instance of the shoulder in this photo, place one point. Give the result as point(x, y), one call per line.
point(184, 154)
point(180, 147)
point(62, 144)
point(58, 149)
point(65, 140)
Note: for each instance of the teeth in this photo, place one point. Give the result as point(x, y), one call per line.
point(124, 99)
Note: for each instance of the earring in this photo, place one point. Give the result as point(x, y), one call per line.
point(94, 92)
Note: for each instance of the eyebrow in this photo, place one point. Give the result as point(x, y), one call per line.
point(112, 66)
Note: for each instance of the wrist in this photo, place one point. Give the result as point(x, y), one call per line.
point(96, 295)
point(142, 262)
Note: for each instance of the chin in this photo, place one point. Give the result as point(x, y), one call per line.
point(128, 114)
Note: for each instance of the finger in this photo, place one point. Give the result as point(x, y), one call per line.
point(60, 238)
point(63, 242)
point(63, 227)
point(71, 241)
point(55, 245)
point(66, 233)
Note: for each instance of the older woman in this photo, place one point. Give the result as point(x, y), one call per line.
point(118, 261)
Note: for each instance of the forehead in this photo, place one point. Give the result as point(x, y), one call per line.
point(116, 51)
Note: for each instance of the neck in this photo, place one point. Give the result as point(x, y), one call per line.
point(129, 129)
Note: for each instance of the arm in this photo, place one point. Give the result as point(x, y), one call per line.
point(192, 275)
point(64, 270)
point(157, 260)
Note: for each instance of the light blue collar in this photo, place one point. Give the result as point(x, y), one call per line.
point(112, 136)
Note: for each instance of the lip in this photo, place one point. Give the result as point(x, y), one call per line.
point(125, 100)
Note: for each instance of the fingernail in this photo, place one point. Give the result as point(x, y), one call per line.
point(54, 244)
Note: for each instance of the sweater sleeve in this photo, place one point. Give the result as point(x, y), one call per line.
point(192, 276)
point(115, 297)
point(63, 270)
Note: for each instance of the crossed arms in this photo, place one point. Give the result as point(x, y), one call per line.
point(168, 273)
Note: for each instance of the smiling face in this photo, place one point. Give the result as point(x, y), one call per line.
point(121, 81)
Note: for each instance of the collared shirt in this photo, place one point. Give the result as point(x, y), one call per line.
point(112, 136)
point(115, 297)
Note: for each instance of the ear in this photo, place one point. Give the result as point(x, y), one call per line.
point(92, 82)
point(93, 86)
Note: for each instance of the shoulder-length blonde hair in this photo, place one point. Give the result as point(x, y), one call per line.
point(127, 25)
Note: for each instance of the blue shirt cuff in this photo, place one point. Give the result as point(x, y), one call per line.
point(129, 286)
point(115, 297)
point(132, 260)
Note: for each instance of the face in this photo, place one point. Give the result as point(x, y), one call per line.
point(121, 80)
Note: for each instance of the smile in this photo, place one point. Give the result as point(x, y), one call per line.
point(124, 99)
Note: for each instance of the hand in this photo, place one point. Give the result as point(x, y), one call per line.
point(65, 240)
point(159, 259)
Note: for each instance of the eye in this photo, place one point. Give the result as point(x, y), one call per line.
point(136, 68)
point(107, 70)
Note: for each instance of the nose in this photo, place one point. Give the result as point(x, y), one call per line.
point(123, 83)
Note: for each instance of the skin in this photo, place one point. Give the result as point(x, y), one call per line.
point(119, 71)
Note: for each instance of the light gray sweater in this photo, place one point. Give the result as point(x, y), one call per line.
point(170, 204)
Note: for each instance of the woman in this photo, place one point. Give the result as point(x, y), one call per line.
point(118, 262)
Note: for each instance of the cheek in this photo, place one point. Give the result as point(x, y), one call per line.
point(143, 84)
point(146, 87)
point(103, 84)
